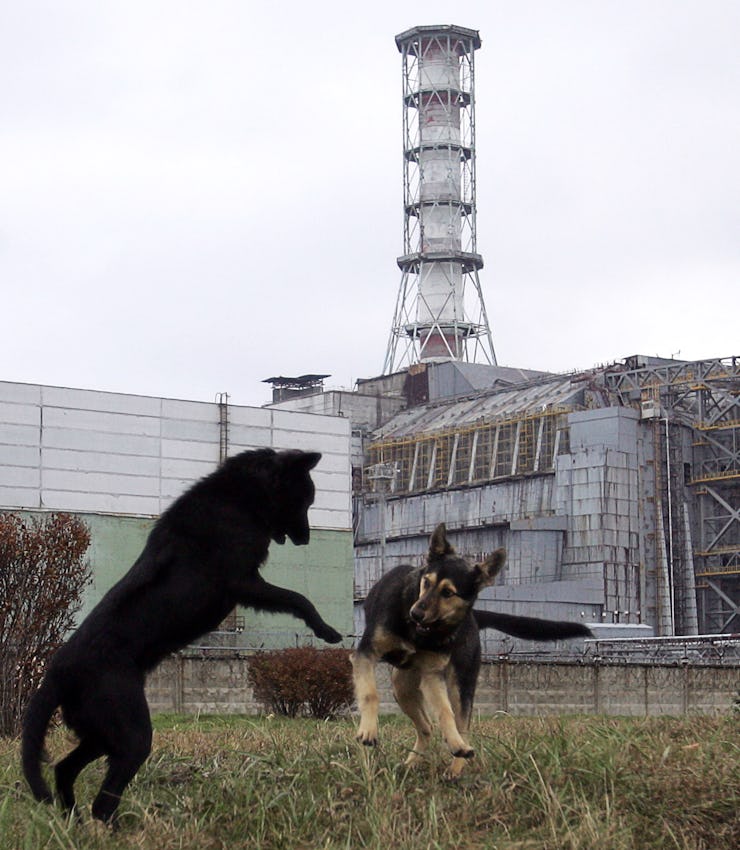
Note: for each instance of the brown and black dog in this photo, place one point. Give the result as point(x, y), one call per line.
point(421, 621)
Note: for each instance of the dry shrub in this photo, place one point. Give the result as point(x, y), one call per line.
point(43, 573)
point(302, 681)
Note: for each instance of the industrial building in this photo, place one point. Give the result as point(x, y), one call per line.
point(616, 491)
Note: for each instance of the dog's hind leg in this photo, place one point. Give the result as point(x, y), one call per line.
point(70, 767)
point(409, 697)
point(128, 741)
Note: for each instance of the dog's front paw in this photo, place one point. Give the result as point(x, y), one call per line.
point(454, 771)
point(328, 634)
point(466, 753)
point(368, 736)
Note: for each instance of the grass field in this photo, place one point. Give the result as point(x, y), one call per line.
point(593, 783)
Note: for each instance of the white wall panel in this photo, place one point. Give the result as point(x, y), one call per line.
point(320, 518)
point(250, 417)
point(185, 429)
point(243, 437)
point(70, 399)
point(19, 435)
point(333, 463)
point(310, 442)
point(19, 393)
point(331, 482)
point(90, 461)
point(67, 500)
point(100, 482)
point(19, 497)
point(309, 422)
point(124, 444)
point(328, 500)
point(20, 414)
point(180, 410)
point(19, 455)
point(96, 420)
point(66, 449)
point(20, 476)
point(186, 470)
point(174, 487)
point(188, 450)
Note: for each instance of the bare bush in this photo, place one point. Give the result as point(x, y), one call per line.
point(302, 681)
point(43, 573)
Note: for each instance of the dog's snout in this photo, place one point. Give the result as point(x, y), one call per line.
point(417, 613)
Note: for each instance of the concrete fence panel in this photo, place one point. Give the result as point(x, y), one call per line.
point(216, 683)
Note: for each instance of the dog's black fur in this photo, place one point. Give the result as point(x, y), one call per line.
point(200, 560)
point(422, 622)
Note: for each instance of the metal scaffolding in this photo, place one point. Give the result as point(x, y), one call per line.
point(703, 396)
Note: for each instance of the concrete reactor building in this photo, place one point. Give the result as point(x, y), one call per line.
point(615, 491)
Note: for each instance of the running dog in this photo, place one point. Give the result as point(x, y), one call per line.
point(422, 622)
point(201, 559)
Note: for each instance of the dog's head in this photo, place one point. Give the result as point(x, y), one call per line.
point(276, 487)
point(295, 492)
point(449, 586)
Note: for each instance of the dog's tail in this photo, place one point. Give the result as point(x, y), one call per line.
point(38, 714)
point(530, 628)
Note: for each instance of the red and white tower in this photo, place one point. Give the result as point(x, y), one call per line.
point(440, 313)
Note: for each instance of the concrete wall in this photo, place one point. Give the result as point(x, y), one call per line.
point(364, 411)
point(218, 685)
point(322, 571)
point(82, 450)
point(598, 489)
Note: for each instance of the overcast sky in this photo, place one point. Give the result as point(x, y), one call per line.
point(195, 196)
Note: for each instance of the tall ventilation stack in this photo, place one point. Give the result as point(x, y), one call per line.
point(440, 313)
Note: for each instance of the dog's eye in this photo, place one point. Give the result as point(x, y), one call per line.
point(447, 592)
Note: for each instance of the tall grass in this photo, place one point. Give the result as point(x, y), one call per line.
point(591, 783)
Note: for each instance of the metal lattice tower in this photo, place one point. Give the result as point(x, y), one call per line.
point(440, 313)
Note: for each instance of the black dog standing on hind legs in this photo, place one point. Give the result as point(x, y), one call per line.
point(200, 560)
point(422, 622)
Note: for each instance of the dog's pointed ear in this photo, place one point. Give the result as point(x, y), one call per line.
point(439, 545)
point(309, 459)
point(486, 572)
point(299, 460)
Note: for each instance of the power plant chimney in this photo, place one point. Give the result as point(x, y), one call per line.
point(440, 313)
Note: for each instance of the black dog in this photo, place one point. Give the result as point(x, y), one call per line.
point(201, 559)
point(421, 621)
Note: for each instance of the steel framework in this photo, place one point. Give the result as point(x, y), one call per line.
point(440, 313)
point(526, 444)
point(705, 396)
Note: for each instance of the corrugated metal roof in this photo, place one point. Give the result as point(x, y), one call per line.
point(537, 396)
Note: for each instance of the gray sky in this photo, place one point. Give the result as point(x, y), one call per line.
point(195, 196)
